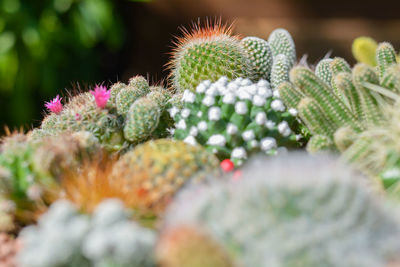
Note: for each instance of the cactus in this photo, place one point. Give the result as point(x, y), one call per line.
point(292, 211)
point(207, 54)
point(157, 169)
point(211, 52)
point(364, 49)
point(64, 237)
point(234, 119)
point(260, 56)
point(121, 117)
point(280, 70)
point(30, 168)
point(185, 246)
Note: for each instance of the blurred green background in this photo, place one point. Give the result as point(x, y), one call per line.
point(47, 47)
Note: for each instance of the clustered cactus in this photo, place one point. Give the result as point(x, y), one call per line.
point(212, 52)
point(157, 169)
point(290, 211)
point(131, 175)
point(125, 115)
point(64, 237)
point(235, 119)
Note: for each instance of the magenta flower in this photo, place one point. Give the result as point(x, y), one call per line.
point(101, 95)
point(54, 105)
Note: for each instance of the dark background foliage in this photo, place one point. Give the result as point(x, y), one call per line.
point(47, 46)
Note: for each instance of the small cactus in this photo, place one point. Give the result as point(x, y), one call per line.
point(292, 211)
point(364, 49)
point(281, 42)
point(64, 237)
point(260, 55)
point(157, 169)
point(234, 119)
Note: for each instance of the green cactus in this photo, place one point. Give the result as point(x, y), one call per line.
point(260, 55)
point(323, 70)
point(385, 56)
point(159, 168)
point(364, 49)
point(235, 119)
point(293, 211)
point(281, 42)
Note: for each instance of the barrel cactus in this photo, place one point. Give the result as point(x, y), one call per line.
point(292, 211)
point(157, 169)
point(64, 237)
point(235, 119)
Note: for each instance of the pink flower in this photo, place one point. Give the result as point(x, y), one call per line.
point(54, 105)
point(101, 95)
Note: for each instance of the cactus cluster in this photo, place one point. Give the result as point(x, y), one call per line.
point(235, 119)
point(125, 115)
point(337, 102)
point(64, 237)
point(28, 167)
point(290, 211)
point(212, 52)
point(157, 169)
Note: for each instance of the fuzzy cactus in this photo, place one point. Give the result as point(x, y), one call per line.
point(123, 116)
point(64, 237)
point(234, 119)
point(292, 211)
point(157, 169)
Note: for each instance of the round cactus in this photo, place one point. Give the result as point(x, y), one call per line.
point(234, 119)
point(260, 55)
point(293, 211)
point(64, 237)
point(207, 54)
point(158, 169)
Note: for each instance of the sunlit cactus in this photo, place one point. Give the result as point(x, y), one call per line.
point(293, 211)
point(235, 119)
point(281, 42)
point(64, 237)
point(157, 169)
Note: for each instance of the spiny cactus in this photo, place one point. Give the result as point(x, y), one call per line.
point(125, 115)
point(234, 119)
point(64, 237)
point(211, 52)
point(292, 211)
point(157, 169)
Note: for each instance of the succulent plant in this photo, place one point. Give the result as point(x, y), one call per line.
point(363, 49)
point(64, 237)
point(212, 52)
point(123, 116)
point(234, 119)
point(157, 169)
point(291, 211)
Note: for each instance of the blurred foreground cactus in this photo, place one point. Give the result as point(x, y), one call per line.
point(235, 119)
point(64, 237)
point(210, 52)
point(290, 211)
point(120, 117)
point(157, 169)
